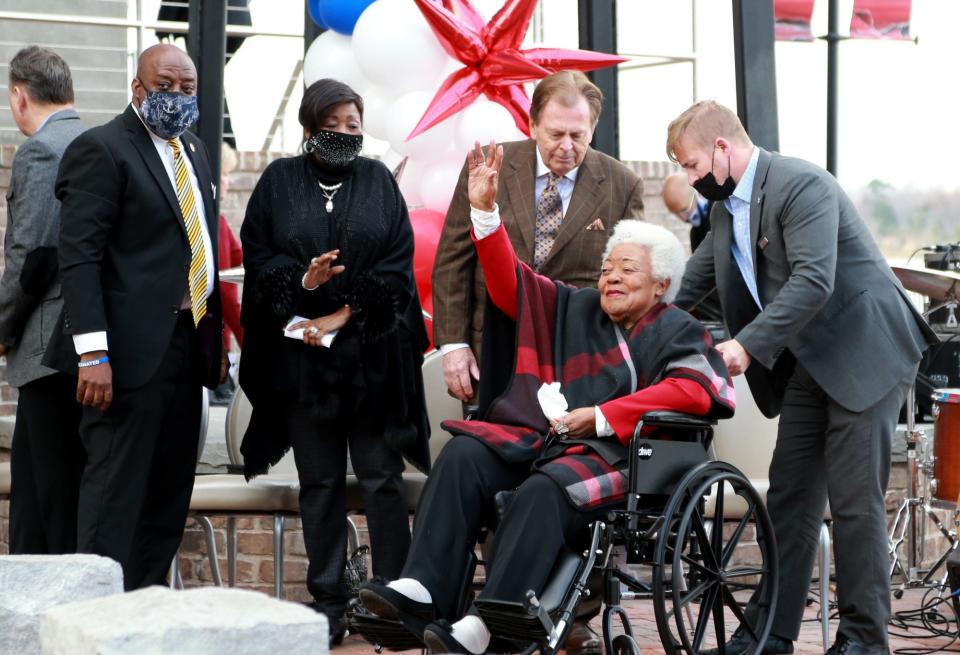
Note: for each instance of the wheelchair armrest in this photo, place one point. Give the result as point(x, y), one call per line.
point(663, 418)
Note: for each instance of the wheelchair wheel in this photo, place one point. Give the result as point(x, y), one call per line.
point(699, 577)
point(625, 645)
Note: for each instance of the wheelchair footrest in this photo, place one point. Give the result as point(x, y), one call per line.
point(391, 634)
point(510, 620)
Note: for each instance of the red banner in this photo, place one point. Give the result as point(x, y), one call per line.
point(880, 19)
point(792, 20)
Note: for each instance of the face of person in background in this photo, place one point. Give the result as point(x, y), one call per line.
point(563, 134)
point(679, 197)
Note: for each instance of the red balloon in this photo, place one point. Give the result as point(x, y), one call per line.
point(427, 224)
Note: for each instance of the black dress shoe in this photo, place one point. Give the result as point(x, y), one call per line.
point(438, 638)
point(388, 603)
point(741, 643)
point(582, 640)
point(846, 646)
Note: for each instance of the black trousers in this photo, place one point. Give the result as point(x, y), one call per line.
point(826, 452)
point(45, 467)
point(538, 525)
point(320, 452)
point(141, 458)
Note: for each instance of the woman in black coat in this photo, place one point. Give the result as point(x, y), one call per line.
point(327, 239)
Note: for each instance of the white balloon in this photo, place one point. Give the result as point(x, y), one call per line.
point(439, 182)
point(395, 47)
point(376, 110)
point(411, 183)
point(481, 121)
point(331, 55)
point(405, 113)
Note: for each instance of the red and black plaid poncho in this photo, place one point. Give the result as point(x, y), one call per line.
point(561, 334)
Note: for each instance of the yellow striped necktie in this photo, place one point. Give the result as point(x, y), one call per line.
point(191, 220)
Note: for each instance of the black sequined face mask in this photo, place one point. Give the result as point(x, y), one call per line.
point(335, 149)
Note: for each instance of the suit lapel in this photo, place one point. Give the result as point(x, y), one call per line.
point(583, 203)
point(756, 201)
point(520, 182)
point(144, 144)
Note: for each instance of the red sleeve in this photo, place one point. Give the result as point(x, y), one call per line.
point(675, 394)
point(236, 250)
point(499, 262)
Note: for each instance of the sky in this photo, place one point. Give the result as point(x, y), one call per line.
point(897, 99)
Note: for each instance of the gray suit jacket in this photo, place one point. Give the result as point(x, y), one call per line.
point(30, 300)
point(829, 298)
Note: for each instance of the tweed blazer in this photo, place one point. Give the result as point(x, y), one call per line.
point(830, 301)
point(30, 299)
point(605, 192)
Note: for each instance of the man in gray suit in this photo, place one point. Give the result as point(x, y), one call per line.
point(47, 457)
point(826, 337)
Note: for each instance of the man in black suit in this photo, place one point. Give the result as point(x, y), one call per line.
point(47, 457)
point(827, 339)
point(137, 243)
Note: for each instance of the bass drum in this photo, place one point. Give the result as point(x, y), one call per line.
point(945, 487)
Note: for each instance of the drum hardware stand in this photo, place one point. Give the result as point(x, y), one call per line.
point(906, 523)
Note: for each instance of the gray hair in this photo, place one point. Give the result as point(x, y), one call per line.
point(666, 254)
point(44, 73)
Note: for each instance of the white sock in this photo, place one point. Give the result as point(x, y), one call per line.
point(472, 634)
point(412, 589)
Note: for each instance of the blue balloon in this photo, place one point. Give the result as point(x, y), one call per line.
point(313, 6)
point(341, 15)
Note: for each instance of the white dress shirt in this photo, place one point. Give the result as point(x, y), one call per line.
point(93, 341)
point(739, 207)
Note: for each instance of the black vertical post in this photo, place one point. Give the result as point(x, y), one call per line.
point(598, 32)
point(756, 74)
point(833, 41)
point(207, 45)
point(310, 29)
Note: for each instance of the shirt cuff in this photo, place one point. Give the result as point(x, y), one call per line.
point(450, 347)
point(484, 223)
point(89, 342)
point(603, 428)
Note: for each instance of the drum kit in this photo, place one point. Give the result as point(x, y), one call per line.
point(933, 466)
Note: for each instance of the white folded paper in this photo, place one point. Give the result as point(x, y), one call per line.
point(325, 340)
point(552, 402)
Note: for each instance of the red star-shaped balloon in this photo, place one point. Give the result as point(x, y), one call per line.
point(493, 63)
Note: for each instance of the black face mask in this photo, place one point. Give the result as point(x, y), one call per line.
point(708, 187)
point(335, 150)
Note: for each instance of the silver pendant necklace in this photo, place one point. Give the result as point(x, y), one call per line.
point(329, 192)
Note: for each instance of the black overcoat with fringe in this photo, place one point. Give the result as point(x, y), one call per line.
point(376, 357)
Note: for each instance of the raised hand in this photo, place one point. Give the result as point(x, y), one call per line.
point(484, 174)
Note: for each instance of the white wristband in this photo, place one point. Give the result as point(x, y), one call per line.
point(303, 283)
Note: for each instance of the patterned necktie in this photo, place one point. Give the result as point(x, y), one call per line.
point(549, 215)
point(191, 220)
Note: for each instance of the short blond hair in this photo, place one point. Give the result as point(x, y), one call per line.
point(566, 87)
point(704, 122)
point(228, 159)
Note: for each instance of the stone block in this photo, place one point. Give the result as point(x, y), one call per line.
point(32, 584)
point(204, 621)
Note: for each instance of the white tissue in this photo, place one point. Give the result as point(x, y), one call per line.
point(552, 402)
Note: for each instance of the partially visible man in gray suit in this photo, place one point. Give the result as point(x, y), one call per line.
point(47, 457)
point(827, 338)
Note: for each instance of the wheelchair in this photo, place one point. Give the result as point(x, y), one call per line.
point(697, 578)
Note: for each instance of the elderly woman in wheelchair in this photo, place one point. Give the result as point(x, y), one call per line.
point(616, 353)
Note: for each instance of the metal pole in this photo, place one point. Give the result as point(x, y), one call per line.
point(310, 29)
point(598, 32)
point(207, 45)
point(753, 32)
point(833, 39)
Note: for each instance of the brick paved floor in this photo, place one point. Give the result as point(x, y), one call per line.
point(810, 641)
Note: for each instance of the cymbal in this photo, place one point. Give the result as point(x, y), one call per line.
point(233, 275)
point(939, 286)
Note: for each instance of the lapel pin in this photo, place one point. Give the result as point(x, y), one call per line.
point(762, 243)
point(193, 148)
